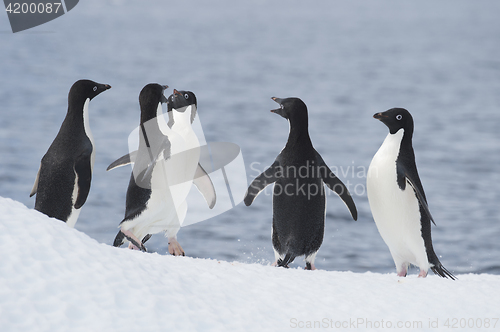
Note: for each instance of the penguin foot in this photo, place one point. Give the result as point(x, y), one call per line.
point(310, 266)
point(403, 272)
point(422, 274)
point(174, 248)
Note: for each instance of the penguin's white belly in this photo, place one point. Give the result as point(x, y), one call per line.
point(166, 208)
point(183, 166)
point(75, 213)
point(395, 211)
point(160, 213)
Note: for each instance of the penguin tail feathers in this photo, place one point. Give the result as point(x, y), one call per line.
point(286, 260)
point(119, 239)
point(441, 271)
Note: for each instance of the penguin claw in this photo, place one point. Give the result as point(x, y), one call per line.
point(403, 272)
point(174, 248)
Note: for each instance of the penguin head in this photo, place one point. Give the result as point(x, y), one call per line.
point(291, 109)
point(85, 89)
point(180, 100)
point(396, 119)
point(149, 98)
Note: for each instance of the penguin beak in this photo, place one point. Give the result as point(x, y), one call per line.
point(107, 86)
point(379, 116)
point(176, 93)
point(280, 110)
point(164, 87)
point(278, 100)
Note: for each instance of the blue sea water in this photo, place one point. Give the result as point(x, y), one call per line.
point(345, 60)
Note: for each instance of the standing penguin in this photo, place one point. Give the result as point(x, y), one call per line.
point(182, 110)
point(299, 204)
point(397, 199)
point(154, 197)
point(63, 180)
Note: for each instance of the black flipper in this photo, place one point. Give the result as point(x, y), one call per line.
point(154, 152)
point(119, 239)
point(135, 243)
point(269, 176)
point(35, 185)
point(146, 238)
point(205, 186)
point(285, 261)
point(84, 172)
point(334, 184)
point(403, 176)
point(441, 271)
point(123, 160)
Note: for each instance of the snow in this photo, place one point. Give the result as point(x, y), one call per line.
point(56, 278)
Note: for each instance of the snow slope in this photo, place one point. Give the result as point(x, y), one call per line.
point(54, 278)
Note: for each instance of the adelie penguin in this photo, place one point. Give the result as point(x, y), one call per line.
point(299, 203)
point(164, 170)
point(397, 199)
point(63, 180)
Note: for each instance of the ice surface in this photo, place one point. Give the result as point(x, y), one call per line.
point(55, 278)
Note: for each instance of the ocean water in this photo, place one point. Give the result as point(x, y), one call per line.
point(345, 60)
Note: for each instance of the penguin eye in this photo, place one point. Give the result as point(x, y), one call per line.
point(95, 88)
point(399, 117)
point(186, 96)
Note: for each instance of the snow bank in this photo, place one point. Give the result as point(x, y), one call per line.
point(54, 278)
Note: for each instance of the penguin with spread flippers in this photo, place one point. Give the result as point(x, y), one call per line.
point(63, 180)
point(157, 189)
point(299, 203)
point(397, 199)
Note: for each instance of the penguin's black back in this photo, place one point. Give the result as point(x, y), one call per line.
point(56, 180)
point(298, 203)
point(57, 175)
point(138, 194)
point(136, 200)
point(298, 199)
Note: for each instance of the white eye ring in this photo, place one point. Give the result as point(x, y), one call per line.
point(186, 96)
point(281, 106)
point(95, 88)
point(399, 117)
